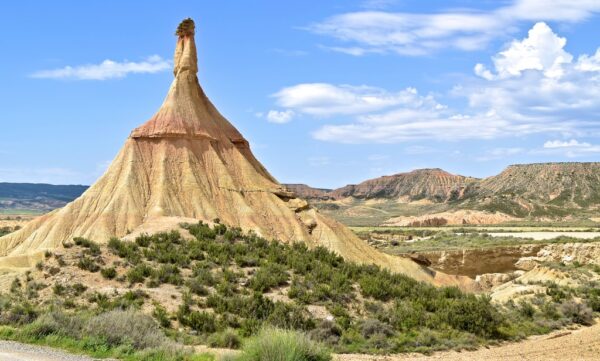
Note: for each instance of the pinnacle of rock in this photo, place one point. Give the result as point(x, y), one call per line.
point(189, 163)
point(186, 58)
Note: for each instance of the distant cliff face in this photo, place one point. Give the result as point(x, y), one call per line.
point(304, 191)
point(539, 189)
point(559, 183)
point(432, 184)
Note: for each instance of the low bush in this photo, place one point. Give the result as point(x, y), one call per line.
point(124, 249)
point(273, 344)
point(127, 327)
point(161, 316)
point(225, 339)
point(55, 323)
point(92, 247)
point(269, 276)
point(109, 273)
point(88, 264)
point(203, 322)
point(139, 273)
point(578, 312)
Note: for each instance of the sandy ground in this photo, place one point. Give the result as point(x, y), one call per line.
point(15, 351)
point(582, 344)
point(546, 235)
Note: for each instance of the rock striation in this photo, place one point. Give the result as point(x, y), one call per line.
point(432, 184)
point(189, 162)
point(454, 218)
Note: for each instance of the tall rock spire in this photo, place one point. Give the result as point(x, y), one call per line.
point(189, 163)
point(186, 111)
point(186, 58)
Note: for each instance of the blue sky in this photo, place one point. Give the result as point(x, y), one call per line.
point(327, 92)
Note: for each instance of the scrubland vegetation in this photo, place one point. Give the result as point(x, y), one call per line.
point(6, 230)
point(406, 240)
point(238, 290)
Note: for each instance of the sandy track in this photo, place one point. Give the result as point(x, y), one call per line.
point(579, 345)
point(15, 351)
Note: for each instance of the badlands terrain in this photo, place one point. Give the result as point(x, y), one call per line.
point(187, 246)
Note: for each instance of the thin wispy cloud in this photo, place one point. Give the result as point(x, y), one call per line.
point(324, 100)
point(534, 86)
point(376, 31)
point(570, 148)
point(108, 69)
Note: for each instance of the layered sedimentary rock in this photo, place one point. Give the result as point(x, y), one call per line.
point(460, 217)
point(188, 161)
point(432, 184)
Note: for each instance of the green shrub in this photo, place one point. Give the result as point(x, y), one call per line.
point(473, 314)
point(78, 288)
point(197, 287)
point(225, 339)
point(269, 276)
point(109, 273)
point(55, 323)
point(327, 332)
point(577, 312)
point(19, 314)
point(161, 315)
point(127, 327)
point(279, 345)
point(198, 321)
point(380, 288)
point(88, 264)
point(371, 327)
point(139, 273)
point(59, 289)
point(93, 248)
point(123, 249)
point(168, 273)
point(201, 231)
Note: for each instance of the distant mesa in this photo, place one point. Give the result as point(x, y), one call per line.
point(186, 163)
point(535, 190)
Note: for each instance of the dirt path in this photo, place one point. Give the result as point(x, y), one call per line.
point(579, 345)
point(15, 351)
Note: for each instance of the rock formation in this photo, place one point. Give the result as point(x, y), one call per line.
point(189, 162)
point(306, 192)
point(454, 218)
point(539, 189)
point(432, 184)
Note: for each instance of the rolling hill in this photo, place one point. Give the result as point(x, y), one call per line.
point(525, 190)
point(549, 191)
point(36, 197)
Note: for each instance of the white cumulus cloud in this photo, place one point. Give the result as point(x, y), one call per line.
point(280, 117)
point(536, 80)
point(535, 87)
point(542, 50)
point(108, 69)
